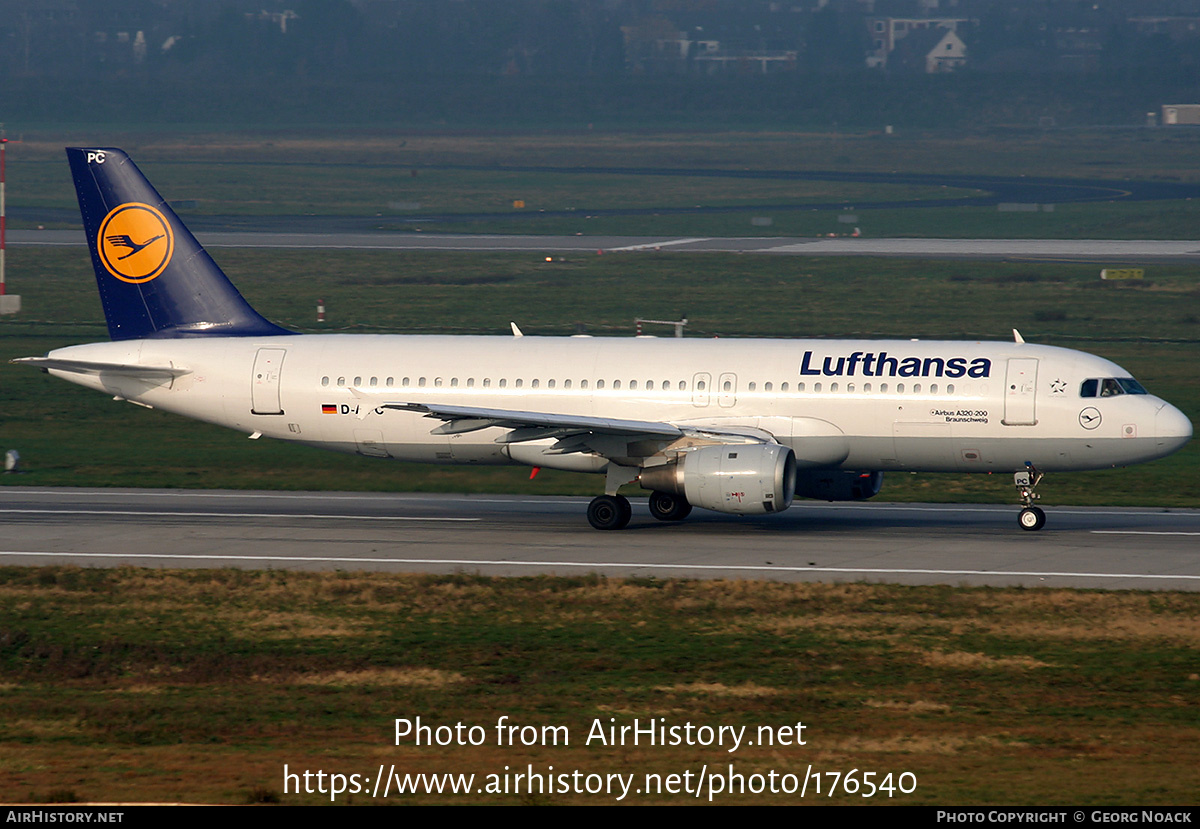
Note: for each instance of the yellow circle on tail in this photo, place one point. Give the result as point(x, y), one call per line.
point(135, 242)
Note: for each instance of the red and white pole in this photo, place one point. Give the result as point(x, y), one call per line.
point(320, 310)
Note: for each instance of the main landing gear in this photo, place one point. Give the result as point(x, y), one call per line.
point(609, 512)
point(612, 512)
point(1031, 517)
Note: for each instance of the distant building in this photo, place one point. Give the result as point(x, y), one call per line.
point(757, 62)
point(887, 33)
point(1173, 114)
point(651, 49)
point(930, 51)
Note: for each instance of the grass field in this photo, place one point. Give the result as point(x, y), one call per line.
point(386, 176)
point(163, 686)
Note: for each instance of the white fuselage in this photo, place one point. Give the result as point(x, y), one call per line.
point(852, 404)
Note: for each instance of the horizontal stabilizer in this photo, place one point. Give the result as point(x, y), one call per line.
point(86, 367)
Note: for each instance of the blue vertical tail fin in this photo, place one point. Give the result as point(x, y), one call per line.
point(154, 278)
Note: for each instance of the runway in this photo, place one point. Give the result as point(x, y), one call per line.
point(1108, 251)
point(1103, 547)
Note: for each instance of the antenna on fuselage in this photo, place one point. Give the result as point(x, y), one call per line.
point(1017, 338)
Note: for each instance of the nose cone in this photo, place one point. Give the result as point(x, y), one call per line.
point(1172, 428)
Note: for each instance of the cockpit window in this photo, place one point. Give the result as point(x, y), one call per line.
point(1110, 387)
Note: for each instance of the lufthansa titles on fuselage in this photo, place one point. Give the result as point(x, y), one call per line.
point(871, 364)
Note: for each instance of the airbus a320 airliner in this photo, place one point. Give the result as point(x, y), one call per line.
point(736, 426)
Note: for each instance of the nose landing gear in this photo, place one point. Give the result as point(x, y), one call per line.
point(1031, 517)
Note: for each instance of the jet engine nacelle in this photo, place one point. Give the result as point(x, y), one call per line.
point(838, 484)
point(745, 479)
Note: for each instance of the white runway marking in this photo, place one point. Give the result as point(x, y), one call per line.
point(656, 245)
point(319, 496)
point(467, 562)
point(228, 514)
point(1140, 532)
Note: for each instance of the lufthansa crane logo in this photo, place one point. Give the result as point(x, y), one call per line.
point(135, 242)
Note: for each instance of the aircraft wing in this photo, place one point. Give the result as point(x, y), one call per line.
point(88, 367)
point(609, 437)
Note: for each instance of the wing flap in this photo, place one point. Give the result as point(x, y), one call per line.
point(470, 418)
point(629, 442)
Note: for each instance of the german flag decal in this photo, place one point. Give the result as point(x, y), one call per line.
point(135, 242)
point(328, 408)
